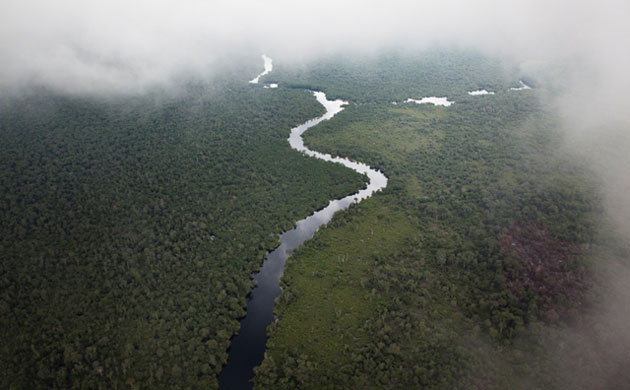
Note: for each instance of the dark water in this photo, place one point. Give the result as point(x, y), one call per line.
point(247, 349)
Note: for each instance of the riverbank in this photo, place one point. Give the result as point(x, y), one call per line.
point(248, 347)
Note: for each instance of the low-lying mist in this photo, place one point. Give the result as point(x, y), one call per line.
point(578, 50)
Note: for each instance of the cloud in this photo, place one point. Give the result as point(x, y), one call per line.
point(91, 45)
point(124, 46)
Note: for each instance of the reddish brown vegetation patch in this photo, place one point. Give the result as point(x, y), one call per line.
point(546, 265)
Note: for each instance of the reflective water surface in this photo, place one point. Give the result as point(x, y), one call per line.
point(438, 101)
point(268, 68)
point(247, 349)
point(522, 87)
point(480, 92)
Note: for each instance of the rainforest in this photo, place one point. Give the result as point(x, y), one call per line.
point(306, 213)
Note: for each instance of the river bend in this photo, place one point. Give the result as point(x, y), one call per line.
point(247, 348)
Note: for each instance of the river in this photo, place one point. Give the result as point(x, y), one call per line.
point(247, 348)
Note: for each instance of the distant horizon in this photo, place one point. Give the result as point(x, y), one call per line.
point(152, 163)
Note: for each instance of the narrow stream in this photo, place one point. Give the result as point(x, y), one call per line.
point(247, 349)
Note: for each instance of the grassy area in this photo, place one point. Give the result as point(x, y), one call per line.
point(479, 242)
point(332, 271)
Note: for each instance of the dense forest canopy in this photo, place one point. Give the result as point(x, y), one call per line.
point(485, 242)
point(130, 226)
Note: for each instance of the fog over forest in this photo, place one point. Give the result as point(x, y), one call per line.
point(579, 48)
point(118, 46)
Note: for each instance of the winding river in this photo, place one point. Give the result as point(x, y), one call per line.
point(247, 349)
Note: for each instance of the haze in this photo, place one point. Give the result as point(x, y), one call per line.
point(579, 47)
point(87, 45)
